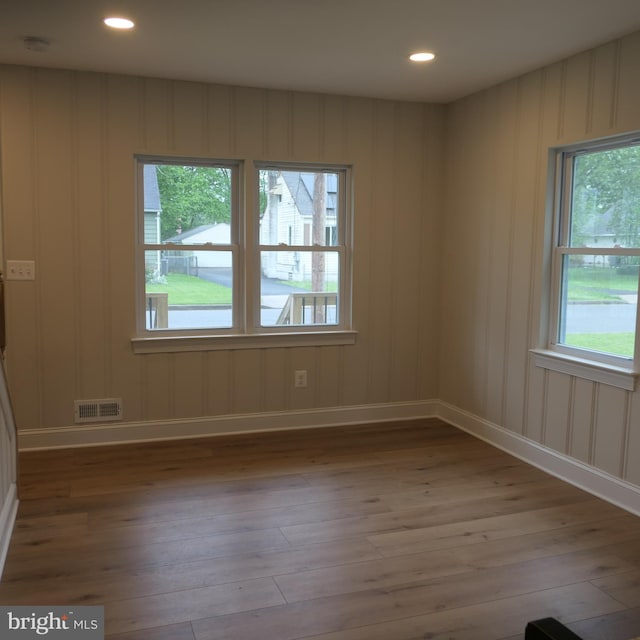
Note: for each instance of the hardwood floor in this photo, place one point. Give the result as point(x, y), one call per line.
point(399, 531)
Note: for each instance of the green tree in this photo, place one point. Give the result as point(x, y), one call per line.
point(191, 196)
point(608, 182)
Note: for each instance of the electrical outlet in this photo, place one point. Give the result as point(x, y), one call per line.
point(300, 378)
point(21, 270)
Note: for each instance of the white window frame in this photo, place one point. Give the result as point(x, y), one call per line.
point(342, 249)
point(593, 365)
point(246, 332)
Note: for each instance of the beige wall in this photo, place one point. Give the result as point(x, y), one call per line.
point(68, 141)
point(449, 259)
point(497, 146)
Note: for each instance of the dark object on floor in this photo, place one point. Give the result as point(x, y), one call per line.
point(548, 629)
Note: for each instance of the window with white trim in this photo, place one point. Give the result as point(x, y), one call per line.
point(596, 254)
point(223, 251)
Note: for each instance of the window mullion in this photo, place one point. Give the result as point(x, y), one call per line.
point(251, 277)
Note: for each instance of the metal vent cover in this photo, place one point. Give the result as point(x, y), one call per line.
point(103, 410)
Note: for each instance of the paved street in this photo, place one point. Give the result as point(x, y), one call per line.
point(581, 318)
point(268, 286)
point(601, 318)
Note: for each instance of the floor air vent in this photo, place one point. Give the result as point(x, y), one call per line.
point(103, 410)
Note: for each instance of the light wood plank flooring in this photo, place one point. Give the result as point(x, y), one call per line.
point(398, 531)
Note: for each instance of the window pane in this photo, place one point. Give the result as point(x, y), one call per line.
point(303, 289)
point(187, 204)
point(180, 293)
point(298, 207)
point(599, 303)
point(605, 204)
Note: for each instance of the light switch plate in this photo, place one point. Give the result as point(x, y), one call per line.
point(21, 270)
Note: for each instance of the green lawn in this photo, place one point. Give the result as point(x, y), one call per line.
point(186, 290)
point(619, 344)
point(306, 284)
point(599, 284)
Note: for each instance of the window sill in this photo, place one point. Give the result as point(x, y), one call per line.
point(172, 344)
point(588, 369)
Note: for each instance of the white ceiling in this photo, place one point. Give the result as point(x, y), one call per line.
point(353, 47)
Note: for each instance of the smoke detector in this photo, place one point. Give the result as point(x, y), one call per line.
point(36, 43)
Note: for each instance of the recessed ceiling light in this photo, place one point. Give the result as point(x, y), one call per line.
point(422, 56)
point(119, 23)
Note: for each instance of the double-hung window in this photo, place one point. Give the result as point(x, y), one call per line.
point(234, 252)
point(593, 304)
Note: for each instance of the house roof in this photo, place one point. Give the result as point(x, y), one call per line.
point(151, 190)
point(300, 185)
point(196, 231)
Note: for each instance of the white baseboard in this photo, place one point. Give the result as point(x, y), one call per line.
point(128, 432)
point(7, 521)
point(594, 481)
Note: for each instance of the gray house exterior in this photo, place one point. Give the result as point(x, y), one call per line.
point(152, 211)
point(294, 224)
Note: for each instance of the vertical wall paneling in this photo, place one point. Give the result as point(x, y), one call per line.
point(381, 278)
point(334, 131)
point(610, 429)
point(536, 402)
point(631, 464)
point(626, 87)
point(510, 222)
point(88, 127)
point(219, 381)
point(248, 120)
point(430, 269)
point(457, 260)
point(246, 382)
point(22, 300)
point(359, 122)
point(302, 358)
point(187, 385)
point(539, 254)
point(278, 125)
point(552, 104)
point(407, 243)
point(157, 121)
point(524, 218)
point(576, 92)
point(582, 420)
point(276, 380)
point(327, 377)
point(88, 240)
point(156, 392)
point(453, 237)
point(190, 118)
point(478, 251)
point(558, 411)
point(220, 119)
point(307, 126)
point(589, 95)
point(56, 253)
point(603, 79)
point(499, 114)
point(125, 134)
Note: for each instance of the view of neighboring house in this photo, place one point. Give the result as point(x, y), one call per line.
point(600, 233)
point(219, 233)
point(152, 210)
point(288, 219)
